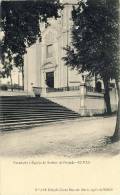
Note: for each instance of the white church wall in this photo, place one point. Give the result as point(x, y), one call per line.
point(30, 71)
point(36, 62)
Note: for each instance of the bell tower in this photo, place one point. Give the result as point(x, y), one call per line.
point(66, 30)
point(67, 12)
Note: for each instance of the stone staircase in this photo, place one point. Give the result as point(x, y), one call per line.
point(18, 112)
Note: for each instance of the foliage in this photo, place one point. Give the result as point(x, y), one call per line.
point(95, 44)
point(20, 22)
point(95, 36)
point(4, 87)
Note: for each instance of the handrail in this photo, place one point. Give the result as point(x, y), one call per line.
point(61, 89)
point(5, 87)
point(93, 89)
point(73, 88)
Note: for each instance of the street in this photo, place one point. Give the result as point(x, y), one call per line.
point(73, 138)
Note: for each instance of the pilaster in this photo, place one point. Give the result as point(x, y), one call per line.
point(82, 99)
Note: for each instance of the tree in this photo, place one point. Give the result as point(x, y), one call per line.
point(7, 68)
point(20, 22)
point(95, 47)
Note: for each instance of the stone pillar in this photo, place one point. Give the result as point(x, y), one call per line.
point(44, 90)
point(82, 99)
point(44, 85)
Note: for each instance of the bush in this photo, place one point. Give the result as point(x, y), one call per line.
point(4, 87)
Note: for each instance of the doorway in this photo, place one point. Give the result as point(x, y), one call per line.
point(50, 79)
point(98, 87)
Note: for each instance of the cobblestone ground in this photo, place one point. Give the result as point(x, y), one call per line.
point(73, 138)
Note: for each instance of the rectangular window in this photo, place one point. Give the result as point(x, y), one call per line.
point(49, 51)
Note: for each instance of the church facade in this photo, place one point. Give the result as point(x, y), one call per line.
point(44, 66)
point(45, 69)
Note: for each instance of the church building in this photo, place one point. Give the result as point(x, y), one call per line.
point(44, 66)
point(45, 70)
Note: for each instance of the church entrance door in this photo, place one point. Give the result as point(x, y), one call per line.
point(50, 79)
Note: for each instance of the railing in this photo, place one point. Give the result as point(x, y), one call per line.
point(61, 89)
point(11, 88)
point(73, 88)
point(93, 89)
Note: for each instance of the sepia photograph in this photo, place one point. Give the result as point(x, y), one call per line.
point(59, 96)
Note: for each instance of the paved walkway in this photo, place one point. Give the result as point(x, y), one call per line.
point(67, 139)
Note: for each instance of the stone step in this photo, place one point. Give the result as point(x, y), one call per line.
point(26, 111)
point(34, 111)
point(34, 108)
point(11, 127)
point(39, 115)
point(25, 102)
point(31, 110)
point(22, 98)
point(29, 104)
point(37, 120)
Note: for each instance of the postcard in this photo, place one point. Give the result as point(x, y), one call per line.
point(59, 97)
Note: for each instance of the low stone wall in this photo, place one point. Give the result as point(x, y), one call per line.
point(94, 104)
point(72, 103)
point(89, 104)
point(83, 101)
point(15, 93)
point(69, 99)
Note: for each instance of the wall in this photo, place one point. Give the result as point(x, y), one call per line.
point(93, 102)
point(15, 93)
point(69, 99)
